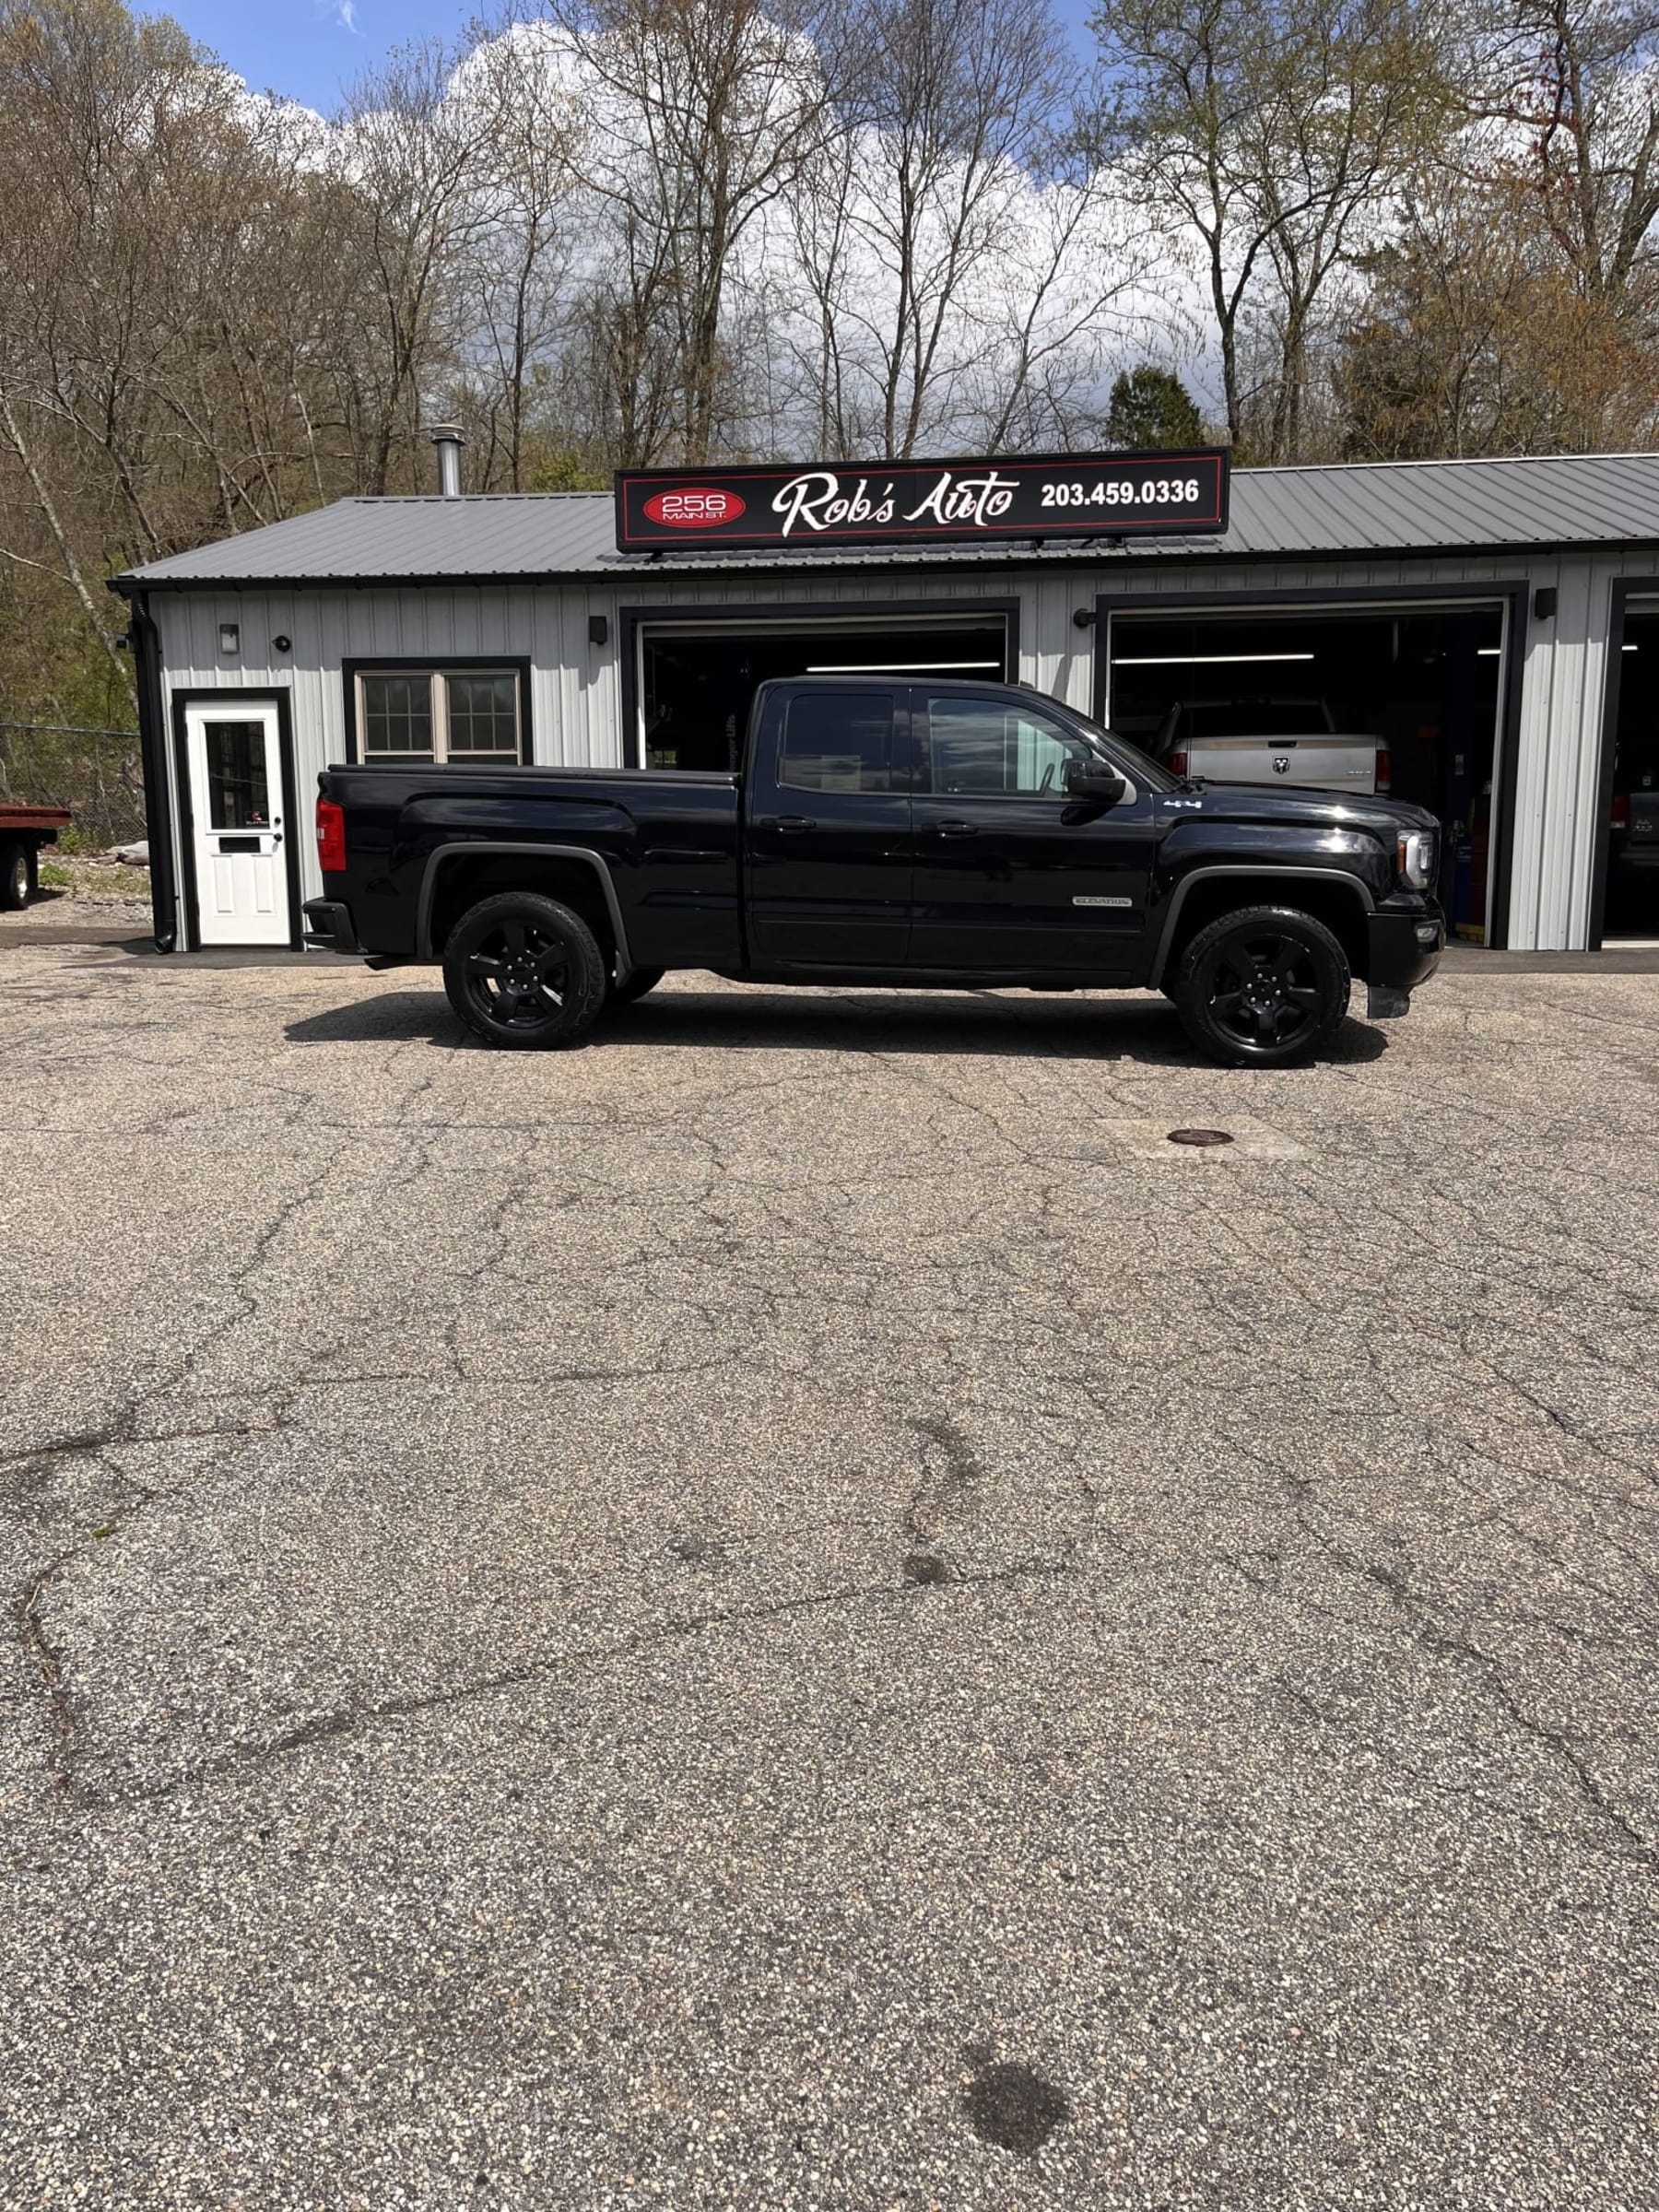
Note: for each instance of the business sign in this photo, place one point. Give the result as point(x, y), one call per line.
point(1053, 495)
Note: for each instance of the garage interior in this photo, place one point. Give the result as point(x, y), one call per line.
point(1426, 683)
point(1631, 829)
point(697, 679)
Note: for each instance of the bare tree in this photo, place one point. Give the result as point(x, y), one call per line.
point(415, 157)
point(932, 261)
point(516, 276)
point(700, 114)
point(1574, 86)
point(1269, 134)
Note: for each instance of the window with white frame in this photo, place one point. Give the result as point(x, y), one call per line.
point(464, 714)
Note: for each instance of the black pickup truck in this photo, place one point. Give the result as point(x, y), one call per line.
point(933, 833)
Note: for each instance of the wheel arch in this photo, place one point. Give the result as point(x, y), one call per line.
point(1339, 898)
point(461, 874)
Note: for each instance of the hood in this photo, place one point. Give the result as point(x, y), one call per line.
point(1271, 803)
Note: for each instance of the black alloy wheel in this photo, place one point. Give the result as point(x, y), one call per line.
point(525, 972)
point(1263, 987)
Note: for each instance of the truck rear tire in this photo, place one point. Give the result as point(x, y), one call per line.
point(525, 972)
point(1262, 987)
point(16, 876)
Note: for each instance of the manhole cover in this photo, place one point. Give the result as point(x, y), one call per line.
point(1199, 1137)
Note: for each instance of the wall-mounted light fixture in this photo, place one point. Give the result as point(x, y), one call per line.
point(229, 637)
point(1085, 617)
point(280, 644)
point(598, 629)
point(1543, 601)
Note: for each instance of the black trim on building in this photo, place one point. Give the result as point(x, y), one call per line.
point(158, 786)
point(429, 663)
point(816, 614)
point(1514, 597)
point(293, 829)
point(1625, 589)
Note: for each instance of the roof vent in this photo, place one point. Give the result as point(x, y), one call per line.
point(446, 437)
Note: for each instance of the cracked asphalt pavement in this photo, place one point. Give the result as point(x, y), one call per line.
point(796, 1610)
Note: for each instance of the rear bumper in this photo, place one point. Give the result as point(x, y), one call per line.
point(328, 926)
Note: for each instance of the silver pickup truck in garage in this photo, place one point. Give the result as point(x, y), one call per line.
point(1292, 741)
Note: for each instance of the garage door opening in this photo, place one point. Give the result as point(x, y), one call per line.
point(1423, 686)
point(1631, 829)
point(696, 680)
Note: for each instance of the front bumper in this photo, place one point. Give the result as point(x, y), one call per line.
point(1405, 950)
point(329, 926)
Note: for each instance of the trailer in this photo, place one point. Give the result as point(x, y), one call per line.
point(23, 830)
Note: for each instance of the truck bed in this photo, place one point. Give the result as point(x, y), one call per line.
point(426, 842)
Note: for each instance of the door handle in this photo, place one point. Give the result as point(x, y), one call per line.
point(956, 828)
point(790, 824)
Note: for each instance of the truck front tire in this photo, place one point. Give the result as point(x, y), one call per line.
point(525, 972)
point(1262, 987)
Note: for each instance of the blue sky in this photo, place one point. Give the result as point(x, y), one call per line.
point(311, 48)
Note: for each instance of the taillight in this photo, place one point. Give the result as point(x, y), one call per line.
point(1384, 768)
point(331, 837)
point(1177, 764)
point(1621, 810)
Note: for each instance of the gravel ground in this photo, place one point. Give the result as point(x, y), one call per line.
point(82, 893)
point(796, 1610)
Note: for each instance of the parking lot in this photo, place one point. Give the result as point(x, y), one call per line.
point(796, 1609)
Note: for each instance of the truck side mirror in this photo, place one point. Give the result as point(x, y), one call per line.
point(1095, 779)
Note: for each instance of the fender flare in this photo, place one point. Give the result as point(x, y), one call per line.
point(489, 848)
point(1345, 876)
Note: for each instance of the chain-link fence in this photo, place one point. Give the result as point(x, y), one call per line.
point(97, 774)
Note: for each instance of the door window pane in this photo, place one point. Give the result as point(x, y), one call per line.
point(839, 741)
point(397, 716)
point(483, 717)
point(237, 796)
point(983, 745)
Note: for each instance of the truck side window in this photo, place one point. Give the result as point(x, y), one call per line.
point(839, 741)
point(983, 745)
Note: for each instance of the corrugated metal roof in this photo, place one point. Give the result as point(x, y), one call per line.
point(1393, 507)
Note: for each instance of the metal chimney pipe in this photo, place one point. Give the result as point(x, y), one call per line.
point(446, 437)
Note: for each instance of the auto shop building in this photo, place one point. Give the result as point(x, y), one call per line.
point(1494, 625)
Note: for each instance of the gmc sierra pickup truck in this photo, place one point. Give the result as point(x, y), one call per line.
point(929, 833)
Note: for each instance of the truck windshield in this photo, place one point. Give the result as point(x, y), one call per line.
point(1255, 718)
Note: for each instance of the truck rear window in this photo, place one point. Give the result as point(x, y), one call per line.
point(1256, 717)
point(839, 741)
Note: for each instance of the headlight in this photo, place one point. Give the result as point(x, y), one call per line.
point(1414, 857)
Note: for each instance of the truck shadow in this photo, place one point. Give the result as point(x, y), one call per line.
point(1132, 1026)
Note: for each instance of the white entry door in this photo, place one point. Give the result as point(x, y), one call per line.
point(235, 757)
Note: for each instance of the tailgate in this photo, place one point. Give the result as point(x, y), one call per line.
point(1303, 763)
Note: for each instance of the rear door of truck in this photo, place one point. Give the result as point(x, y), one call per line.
point(829, 862)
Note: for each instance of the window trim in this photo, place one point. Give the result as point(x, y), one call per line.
point(434, 664)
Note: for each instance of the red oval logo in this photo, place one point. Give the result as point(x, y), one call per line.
point(696, 507)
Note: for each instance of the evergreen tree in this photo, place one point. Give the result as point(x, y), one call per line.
point(1151, 407)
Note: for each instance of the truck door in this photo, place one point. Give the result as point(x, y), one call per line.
point(1012, 873)
point(828, 843)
